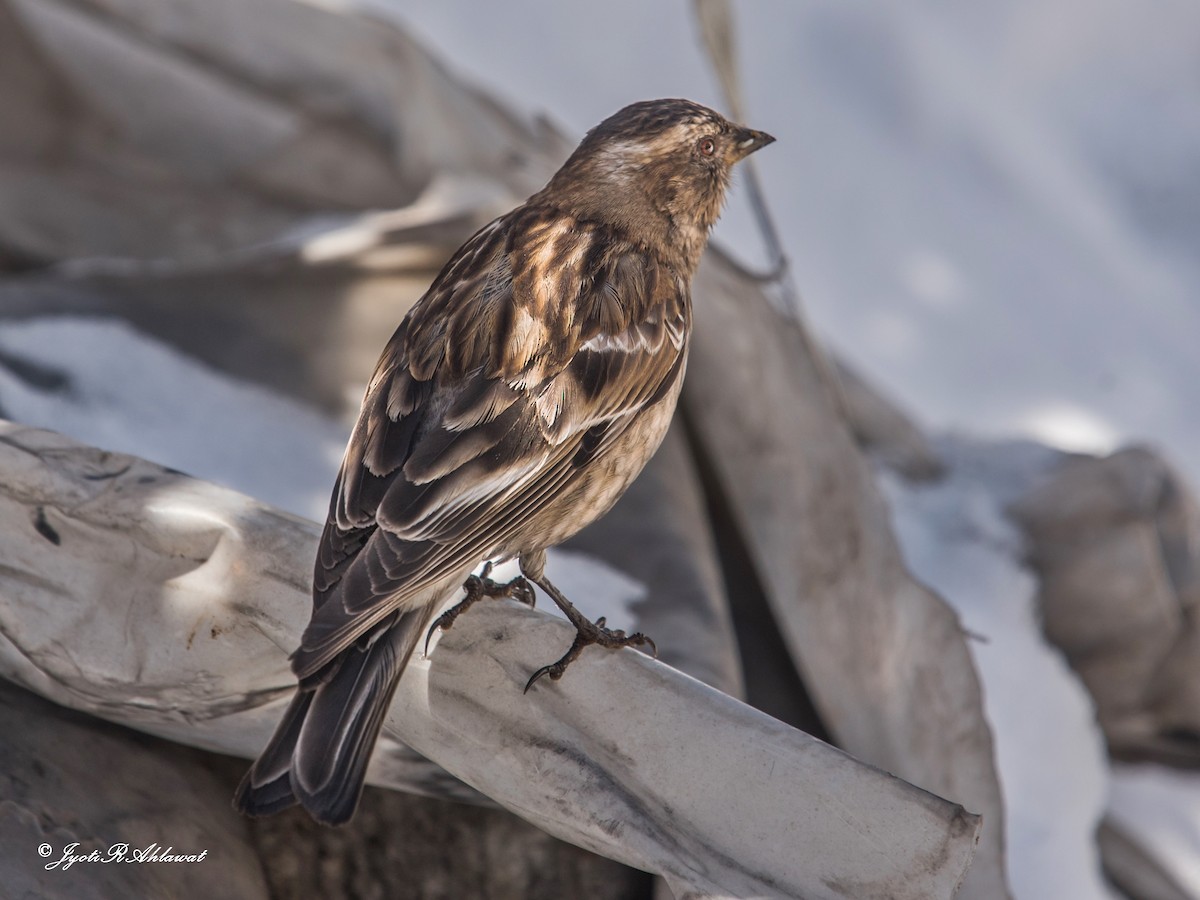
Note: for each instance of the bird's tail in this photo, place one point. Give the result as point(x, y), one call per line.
point(319, 753)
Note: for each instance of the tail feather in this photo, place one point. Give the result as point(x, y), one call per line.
point(318, 756)
point(266, 789)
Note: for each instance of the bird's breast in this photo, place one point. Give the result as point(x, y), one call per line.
point(598, 485)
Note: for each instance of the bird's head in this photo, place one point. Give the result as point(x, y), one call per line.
point(657, 169)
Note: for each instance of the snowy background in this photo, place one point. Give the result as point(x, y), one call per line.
point(992, 210)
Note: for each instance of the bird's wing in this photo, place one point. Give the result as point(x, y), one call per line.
point(534, 350)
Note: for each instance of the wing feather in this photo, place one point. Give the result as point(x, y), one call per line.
point(495, 393)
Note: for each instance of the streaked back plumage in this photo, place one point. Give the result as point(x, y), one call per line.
point(512, 406)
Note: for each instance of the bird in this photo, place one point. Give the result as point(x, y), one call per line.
point(514, 404)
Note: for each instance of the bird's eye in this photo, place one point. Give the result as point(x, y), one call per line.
point(707, 146)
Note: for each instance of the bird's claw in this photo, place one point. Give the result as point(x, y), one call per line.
point(432, 628)
point(437, 623)
point(554, 671)
point(481, 587)
point(590, 633)
point(522, 591)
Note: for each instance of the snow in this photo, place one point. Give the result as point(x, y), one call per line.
point(126, 392)
point(1056, 780)
point(1049, 751)
point(1162, 807)
point(991, 208)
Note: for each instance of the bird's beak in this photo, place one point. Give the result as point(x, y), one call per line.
point(747, 140)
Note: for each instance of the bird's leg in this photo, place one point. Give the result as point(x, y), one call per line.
point(481, 587)
point(586, 631)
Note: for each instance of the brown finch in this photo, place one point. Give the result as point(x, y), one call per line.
point(512, 407)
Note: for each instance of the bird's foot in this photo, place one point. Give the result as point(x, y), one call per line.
point(481, 587)
point(590, 633)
